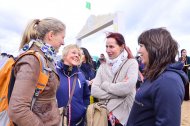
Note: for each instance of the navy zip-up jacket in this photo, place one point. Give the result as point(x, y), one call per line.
point(80, 99)
point(88, 71)
point(158, 103)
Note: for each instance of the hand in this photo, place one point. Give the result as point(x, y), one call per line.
point(130, 55)
point(125, 79)
point(90, 82)
point(142, 77)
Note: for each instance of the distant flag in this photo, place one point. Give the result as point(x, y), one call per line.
point(88, 5)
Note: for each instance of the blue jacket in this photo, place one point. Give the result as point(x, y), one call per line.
point(80, 99)
point(158, 103)
point(88, 71)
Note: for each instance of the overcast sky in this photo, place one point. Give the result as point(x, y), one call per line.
point(139, 15)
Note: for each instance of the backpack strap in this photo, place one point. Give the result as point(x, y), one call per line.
point(43, 75)
point(44, 71)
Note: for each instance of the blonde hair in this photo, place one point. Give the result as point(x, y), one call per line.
point(37, 29)
point(68, 47)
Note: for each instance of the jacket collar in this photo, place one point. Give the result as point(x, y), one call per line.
point(67, 70)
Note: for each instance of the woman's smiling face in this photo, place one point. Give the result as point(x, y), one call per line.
point(73, 57)
point(143, 54)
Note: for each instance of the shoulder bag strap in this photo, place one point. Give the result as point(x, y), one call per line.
point(72, 92)
point(118, 72)
point(115, 78)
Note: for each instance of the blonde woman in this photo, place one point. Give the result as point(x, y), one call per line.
point(68, 70)
point(44, 36)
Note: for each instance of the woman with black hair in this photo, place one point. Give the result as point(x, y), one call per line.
point(158, 100)
point(88, 66)
point(186, 68)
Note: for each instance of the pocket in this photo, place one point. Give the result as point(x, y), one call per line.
point(139, 103)
point(79, 122)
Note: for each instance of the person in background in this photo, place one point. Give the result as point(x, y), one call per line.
point(115, 81)
point(158, 100)
point(186, 68)
point(140, 73)
point(2, 55)
point(44, 36)
point(95, 65)
point(67, 69)
point(101, 60)
point(87, 66)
